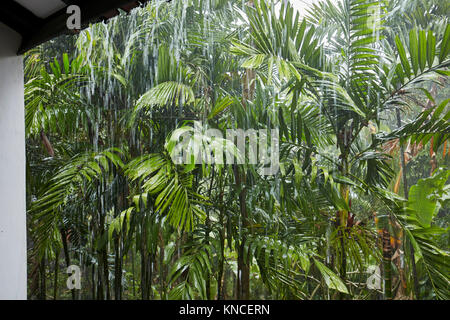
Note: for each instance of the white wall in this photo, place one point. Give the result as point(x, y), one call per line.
point(13, 265)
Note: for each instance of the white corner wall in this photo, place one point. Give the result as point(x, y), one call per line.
point(13, 250)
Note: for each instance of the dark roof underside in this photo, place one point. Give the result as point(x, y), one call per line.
point(36, 30)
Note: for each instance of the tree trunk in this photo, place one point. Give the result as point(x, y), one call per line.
point(43, 289)
point(222, 250)
point(405, 190)
point(55, 286)
point(117, 269)
point(66, 255)
point(161, 267)
point(243, 268)
point(387, 255)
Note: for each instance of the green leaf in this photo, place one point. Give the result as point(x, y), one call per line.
point(423, 196)
point(422, 49)
point(414, 50)
point(431, 48)
point(220, 105)
point(66, 63)
point(121, 79)
point(331, 279)
point(403, 58)
point(445, 46)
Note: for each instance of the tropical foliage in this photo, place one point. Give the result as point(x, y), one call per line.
point(359, 205)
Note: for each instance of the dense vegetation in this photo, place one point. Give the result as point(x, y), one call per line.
point(359, 92)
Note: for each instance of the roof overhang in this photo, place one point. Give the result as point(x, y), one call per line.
point(40, 21)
